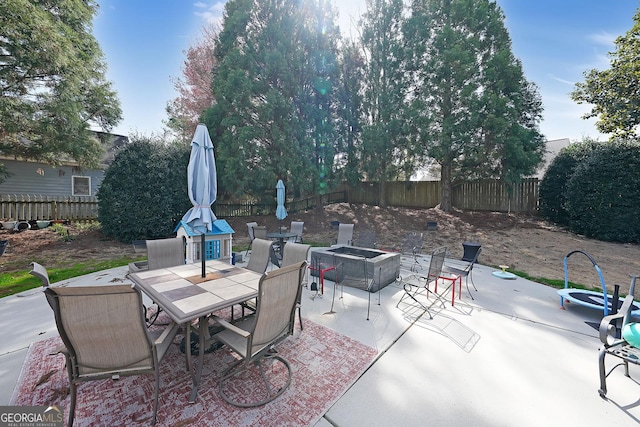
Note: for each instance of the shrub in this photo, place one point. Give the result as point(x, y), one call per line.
point(144, 191)
point(553, 184)
point(603, 194)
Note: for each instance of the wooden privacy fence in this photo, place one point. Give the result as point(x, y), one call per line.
point(484, 195)
point(492, 195)
point(251, 208)
point(34, 207)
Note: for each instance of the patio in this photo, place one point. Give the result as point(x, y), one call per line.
point(510, 357)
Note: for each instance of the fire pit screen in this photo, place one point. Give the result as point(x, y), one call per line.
point(359, 266)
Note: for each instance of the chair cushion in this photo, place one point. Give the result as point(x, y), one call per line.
point(631, 334)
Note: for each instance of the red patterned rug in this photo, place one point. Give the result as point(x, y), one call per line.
point(324, 365)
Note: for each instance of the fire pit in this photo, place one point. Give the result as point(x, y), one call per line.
point(381, 265)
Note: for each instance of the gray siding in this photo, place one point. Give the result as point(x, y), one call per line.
point(46, 180)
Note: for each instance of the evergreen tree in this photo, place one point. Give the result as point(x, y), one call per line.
point(52, 82)
point(473, 111)
point(385, 143)
point(350, 115)
point(272, 87)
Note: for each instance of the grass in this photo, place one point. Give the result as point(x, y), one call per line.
point(18, 281)
point(554, 283)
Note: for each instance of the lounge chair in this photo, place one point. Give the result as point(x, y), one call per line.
point(105, 336)
point(613, 330)
point(253, 339)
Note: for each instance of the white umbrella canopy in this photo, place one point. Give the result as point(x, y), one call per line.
point(281, 212)
point(201, 181)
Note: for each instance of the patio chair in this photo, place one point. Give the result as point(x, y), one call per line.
point(415, 286)
point(260, 255)
point(273, 257)
point(367, 239)
point(105, 336)
point(40, 272)
point(411, 247)
point(260, 232)
point(161, 253)
point(254, 339)
point(619, 340)
point(465, 272)
point(165, 252)
point(294, 253)
point(250, 227)
point(345, 234)
point(296, 227)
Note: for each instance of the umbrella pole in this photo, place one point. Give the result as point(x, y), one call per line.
point(202, 256)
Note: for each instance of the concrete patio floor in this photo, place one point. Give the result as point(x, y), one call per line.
point(509, 357)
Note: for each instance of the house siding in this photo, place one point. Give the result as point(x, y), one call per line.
point(45, 180)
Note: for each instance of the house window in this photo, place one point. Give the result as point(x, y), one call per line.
point(81, 185)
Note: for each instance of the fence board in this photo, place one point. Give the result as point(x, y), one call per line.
point(484, 195)
point(20, 207)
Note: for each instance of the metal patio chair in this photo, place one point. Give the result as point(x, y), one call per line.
point(416, 286)
point(367, 239)
point(294, 253)
point(105, 335)
point(613, 330)
point(254, 339)
point(260, 255)
point(161, 253)
point(345, 234)
point(465, 271)
point(297, 227)
point(410, 248)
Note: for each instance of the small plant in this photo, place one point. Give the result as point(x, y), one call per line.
point(87, 226)
point(62, 231)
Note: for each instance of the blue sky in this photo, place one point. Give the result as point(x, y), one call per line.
point(556, 40)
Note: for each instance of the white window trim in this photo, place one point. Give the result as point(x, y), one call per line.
point(73, 185)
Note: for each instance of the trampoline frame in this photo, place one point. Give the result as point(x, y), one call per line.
point(605, 296)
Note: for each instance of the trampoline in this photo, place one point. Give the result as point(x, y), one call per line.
point(588, 298)
point(593, 299)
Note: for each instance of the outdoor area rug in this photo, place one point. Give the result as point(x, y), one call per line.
point(324, 365)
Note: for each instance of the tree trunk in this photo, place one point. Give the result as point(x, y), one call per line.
point(445, 190)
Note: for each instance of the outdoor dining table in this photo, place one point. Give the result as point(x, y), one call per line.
point(281, 235)
point(185, 296)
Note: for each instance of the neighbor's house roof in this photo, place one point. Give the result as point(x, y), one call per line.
point(111, 143)
point(553, 148)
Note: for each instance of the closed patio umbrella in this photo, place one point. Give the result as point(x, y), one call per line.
point(281, 212)
point(202, 185)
